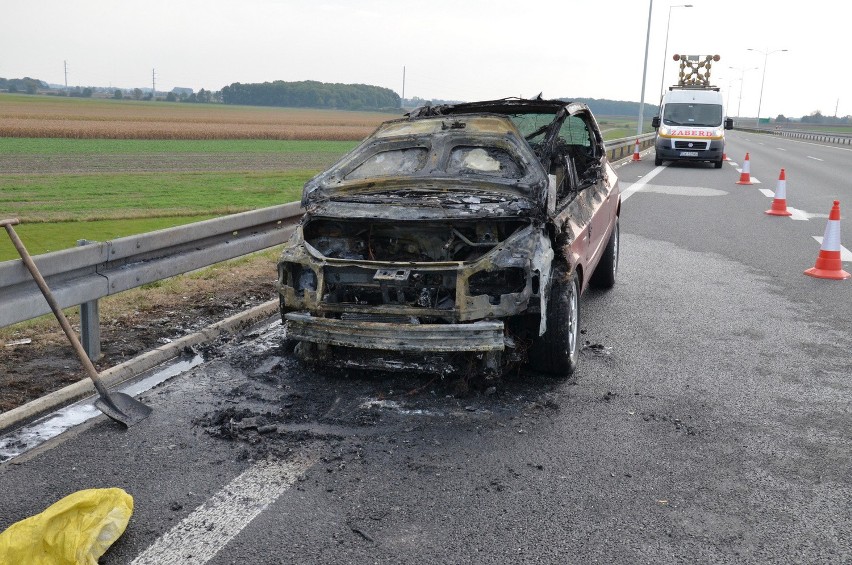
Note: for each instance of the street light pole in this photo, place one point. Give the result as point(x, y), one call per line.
point(666, 48)
point(641, 125)
point(742, 81)
point(766, 55)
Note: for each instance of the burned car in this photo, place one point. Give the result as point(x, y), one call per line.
point(457, 238)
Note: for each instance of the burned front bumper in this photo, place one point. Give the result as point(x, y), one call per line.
point(473, 336)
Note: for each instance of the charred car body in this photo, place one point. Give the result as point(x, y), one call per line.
point(458, 238)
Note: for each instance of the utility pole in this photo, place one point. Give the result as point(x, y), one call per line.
point(153, 85)
point(836, 106)
point(402, 100)
point(66, 74)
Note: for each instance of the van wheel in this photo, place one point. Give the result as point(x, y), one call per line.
point(557, 352)
point(658, 162)
point(718, 164)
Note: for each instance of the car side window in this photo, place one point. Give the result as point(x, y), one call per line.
point(581, 148)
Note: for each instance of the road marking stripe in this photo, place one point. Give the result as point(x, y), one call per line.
point(780, 149)
point(814, 158)
point(845, 254)
point(800, 215)
point(204, 532)
point(640, 184)
point(751, 178)
point(767, 193)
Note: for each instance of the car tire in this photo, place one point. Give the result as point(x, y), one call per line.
point(718, 164)
point(605, 272)
point(557, 352)
point(658, 162)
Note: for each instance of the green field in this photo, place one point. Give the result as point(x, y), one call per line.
point(58, 208)
point(61, 146)
point(52, 198)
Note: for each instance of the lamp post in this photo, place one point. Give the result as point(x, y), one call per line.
point(742, 80)
point(640, 127)
point(766, 55)
point(666, 48)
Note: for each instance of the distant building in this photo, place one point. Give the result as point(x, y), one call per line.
point(179, 91)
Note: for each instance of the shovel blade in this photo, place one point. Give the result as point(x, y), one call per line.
point(122, 408)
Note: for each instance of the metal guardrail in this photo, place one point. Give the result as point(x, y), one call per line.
point(821, 136)
point(83, 275)
point(617, 149)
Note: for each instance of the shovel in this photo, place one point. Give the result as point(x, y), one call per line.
point(121, 407)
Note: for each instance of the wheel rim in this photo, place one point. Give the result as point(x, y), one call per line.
point(572, 320)
point(617, 237)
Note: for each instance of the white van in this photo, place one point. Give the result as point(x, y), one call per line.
point(691, 126)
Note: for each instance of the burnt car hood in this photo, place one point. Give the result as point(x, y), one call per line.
point(460, 160)
point(428, 207)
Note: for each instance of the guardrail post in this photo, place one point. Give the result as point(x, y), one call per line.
point(90, 324)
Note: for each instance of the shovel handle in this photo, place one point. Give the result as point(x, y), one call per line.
point(54, 306)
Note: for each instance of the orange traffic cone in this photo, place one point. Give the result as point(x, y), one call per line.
point(636, 152)
point(745, 177)
point(828, 261)
point(779, 205)
point(725, 156)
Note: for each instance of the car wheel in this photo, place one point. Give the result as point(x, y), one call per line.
point(604, 275)
point(658, 162)
point(557, 351)
point(718, 164)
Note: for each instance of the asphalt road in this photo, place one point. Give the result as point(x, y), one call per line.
point(709, 421)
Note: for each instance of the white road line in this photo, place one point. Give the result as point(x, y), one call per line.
point(780, 149)
point(814, 158)
point(845, 254)
point(734, 164)
point(753, 179)
point(767, 193)
point(640, 184)
point(204, 532)
point(800, 215)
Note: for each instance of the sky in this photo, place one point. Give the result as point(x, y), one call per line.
point(453, 50)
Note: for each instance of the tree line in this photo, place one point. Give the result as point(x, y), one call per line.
point(311, 94)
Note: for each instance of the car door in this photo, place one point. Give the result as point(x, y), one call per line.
point(584, 152)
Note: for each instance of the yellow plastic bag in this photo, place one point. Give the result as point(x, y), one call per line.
point(76, 530)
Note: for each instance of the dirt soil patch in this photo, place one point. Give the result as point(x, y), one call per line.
point(36, 357)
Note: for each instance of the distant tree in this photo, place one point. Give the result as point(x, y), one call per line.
point(815, 117)
point(170, 97)
point(183, 96)
point(137, 94)
point(13, 88)
point(203, 96)
point(781, 119)
point(191, 98)
point(87, 92)
point(118, 95)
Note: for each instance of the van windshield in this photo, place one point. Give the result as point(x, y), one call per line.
point(707, 115)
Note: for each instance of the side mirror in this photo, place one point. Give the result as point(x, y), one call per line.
point(729, 123)
point(655, 122)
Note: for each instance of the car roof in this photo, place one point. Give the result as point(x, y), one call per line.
point(510, 105)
